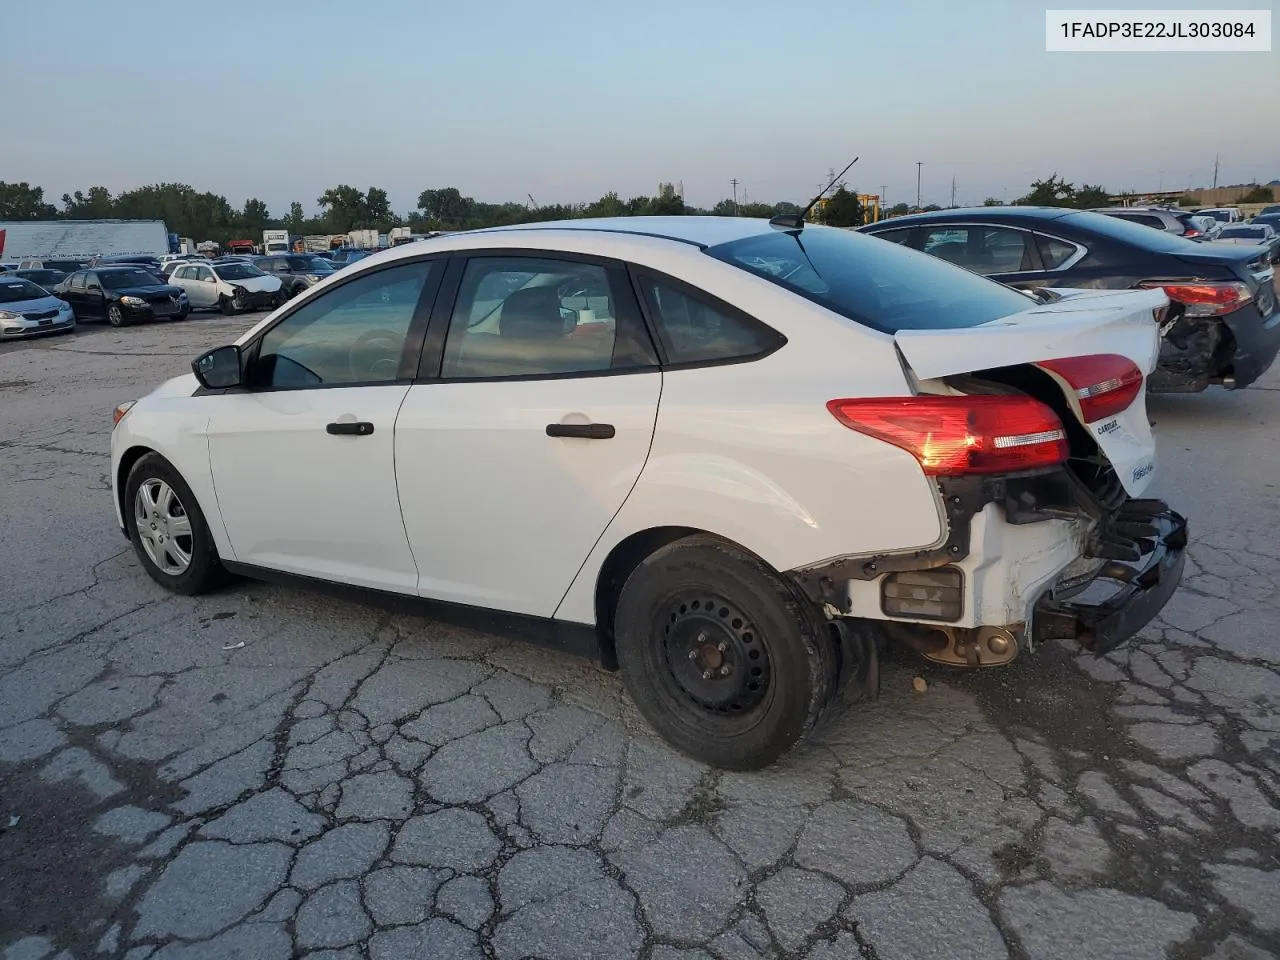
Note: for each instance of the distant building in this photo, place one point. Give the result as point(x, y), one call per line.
point(669, 191)
point(81, 239)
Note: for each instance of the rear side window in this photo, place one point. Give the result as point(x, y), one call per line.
point(900, 235)
point(884, 286)
point(693, 329)
point(984, 250)
point(1146, 219)
point(1054, 252)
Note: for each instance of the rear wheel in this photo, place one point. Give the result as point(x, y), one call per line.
point(722, 657)
point(168, 529)
point(115, 316)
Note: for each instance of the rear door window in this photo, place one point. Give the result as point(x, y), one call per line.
point(1054, 252)
point(983, 250)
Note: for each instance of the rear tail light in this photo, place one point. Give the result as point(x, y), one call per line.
point(1192, 232)
point(1104, 385)
point(1204, 299)
point(954, 436)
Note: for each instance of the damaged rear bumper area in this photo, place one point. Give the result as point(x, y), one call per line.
point(1233, 350)
point(1142, 588)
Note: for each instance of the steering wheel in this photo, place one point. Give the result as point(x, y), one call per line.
point(375, 355)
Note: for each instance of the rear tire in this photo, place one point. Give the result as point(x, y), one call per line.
point(177, 551)
point(723, 657)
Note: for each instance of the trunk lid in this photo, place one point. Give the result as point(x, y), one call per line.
point(1083, 323)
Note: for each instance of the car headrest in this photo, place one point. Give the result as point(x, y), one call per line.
point(531, 314)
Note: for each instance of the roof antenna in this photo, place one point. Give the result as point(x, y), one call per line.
point(795, 221)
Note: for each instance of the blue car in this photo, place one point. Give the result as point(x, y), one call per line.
point(29, 310)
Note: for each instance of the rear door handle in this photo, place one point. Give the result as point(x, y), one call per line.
point(584, 431)
point(350, 428)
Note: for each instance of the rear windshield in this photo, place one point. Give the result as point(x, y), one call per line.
point(874, 282)
point(12, 291)
point(121, 279)
point(1133, 234)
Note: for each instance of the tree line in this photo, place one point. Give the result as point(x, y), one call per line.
point(209, 216)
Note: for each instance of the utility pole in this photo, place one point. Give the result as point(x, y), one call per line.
point(1215, 171)
point(734, 181)
point(919, 164)
point(953, 191)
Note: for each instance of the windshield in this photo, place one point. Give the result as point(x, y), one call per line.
point(877, 283)
point(120, 279)
point(1248, 233)
point(12, 291)
point(237, 271)
point(311, 264)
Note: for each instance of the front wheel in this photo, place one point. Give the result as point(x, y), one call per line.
point(115, 316)
point(725, 660)
point(227, 306)
point(168, 529)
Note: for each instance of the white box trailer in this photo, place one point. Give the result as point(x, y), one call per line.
point(81, 239)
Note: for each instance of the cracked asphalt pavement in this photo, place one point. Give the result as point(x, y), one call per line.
point(268, 772)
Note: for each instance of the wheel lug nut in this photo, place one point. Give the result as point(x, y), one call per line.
point(722, 646)
point(706, 674)
point(693, 654)
point(702, 637)
point(724, 671)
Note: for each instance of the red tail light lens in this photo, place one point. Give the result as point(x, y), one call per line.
point(1209, 299)
point(1104, 384)
point(1191, 232)
point(954, 436)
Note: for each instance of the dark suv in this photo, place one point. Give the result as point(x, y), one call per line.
point(296, 271)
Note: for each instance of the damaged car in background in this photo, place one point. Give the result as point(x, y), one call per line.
point(1222, 326)
point(737, 460)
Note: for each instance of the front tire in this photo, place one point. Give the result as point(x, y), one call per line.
point(168, 529)
point(227, 306)
point(727, 662)
point(115, 316)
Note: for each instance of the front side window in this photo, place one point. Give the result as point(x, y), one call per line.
point(533, 316)
point(695, 330)
point(355, 333)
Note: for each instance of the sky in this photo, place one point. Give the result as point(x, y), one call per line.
point(565, 100)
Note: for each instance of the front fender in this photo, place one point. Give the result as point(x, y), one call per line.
point(176, 427)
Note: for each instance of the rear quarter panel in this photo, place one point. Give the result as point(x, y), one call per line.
point(748, 451)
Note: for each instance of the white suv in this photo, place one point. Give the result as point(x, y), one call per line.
point(735, 458)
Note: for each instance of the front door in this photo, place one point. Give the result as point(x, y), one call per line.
point(533, 429)
point(302, 457)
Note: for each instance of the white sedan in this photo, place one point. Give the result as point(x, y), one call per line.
point(736, 459)
point(229, 287)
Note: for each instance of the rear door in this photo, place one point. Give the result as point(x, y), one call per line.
point(92, 302)
point(527, 429)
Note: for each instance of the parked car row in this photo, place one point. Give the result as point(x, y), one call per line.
point(1221, 325)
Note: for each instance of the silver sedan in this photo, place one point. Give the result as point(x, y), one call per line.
point(28, 310)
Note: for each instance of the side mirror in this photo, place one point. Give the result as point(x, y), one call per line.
point(219, 368)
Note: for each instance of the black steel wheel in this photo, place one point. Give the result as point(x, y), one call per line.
point(723, 657)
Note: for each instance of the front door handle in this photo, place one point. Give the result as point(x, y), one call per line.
point(350, 428)
point(584, 431)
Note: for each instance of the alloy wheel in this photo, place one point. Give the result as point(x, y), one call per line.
point(164, 528)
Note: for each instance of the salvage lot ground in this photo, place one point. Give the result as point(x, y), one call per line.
point(386, 786)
